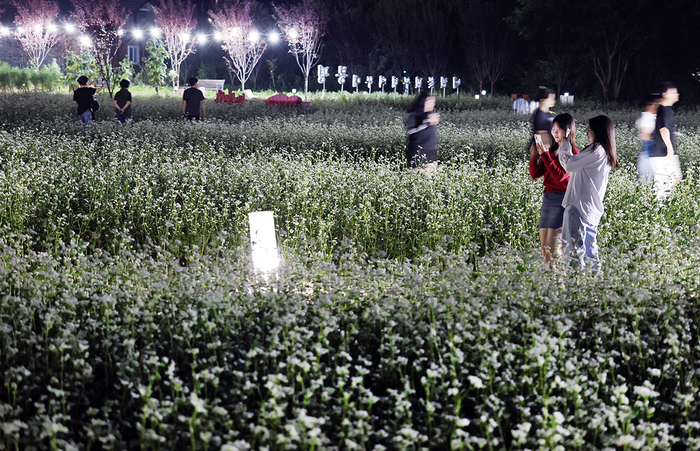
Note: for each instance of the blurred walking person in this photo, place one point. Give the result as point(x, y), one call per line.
point(546, 164)
point(646, 124)
point(583, 201)
point(542, 118)
point(664, 161)
point(421, 125)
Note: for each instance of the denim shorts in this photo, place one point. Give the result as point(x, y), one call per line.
point(552, 213)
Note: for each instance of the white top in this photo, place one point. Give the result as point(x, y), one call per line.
point(588, 180)
point(646, 121)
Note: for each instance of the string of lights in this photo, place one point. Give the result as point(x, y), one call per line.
point(272, 37)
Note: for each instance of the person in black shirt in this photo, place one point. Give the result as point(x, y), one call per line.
point(193, 101)
point(83, 97)
point(122, 102)
point(665, 129)
point(421, 151)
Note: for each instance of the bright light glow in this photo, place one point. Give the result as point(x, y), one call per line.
point(155, 32)
point(202, 38)
point(52, 28)
point(84, 40)
point(120, 32)
point(273, 37)
point(476, 97)
point(566, 94)
point(138, 34)
point(20, 30)
point(4, 31)
point(483, 93)
point(218, 36)
point(254, 36)
point(185, 37)
point(70, 28)
point(235, 31)
point(292, 33)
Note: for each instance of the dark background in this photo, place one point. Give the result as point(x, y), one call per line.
point(601, 49)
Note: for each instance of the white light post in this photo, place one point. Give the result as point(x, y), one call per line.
point(394, 83)
point(342, 75)
point(406, 85)
point(419, 84)
point(263, 242)
point(443, 85)
point(356, 80)
point(456, 82)
point(323, 72)
point(382, 82)
point(431, 84)
point(368, 81)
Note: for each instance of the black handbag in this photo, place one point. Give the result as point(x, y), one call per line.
point(95, 106)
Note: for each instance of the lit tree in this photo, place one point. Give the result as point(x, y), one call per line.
point(102, 21)
point(36, 30)
point(303, 29)
point(176, 19)
point(241, 40)
point(156, 70)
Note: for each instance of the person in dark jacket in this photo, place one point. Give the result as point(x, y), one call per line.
point(421, 151)
point(83, 97)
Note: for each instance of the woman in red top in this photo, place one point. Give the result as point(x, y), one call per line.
point(544, 163)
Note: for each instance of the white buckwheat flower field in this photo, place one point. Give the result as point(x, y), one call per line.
point(410, 312)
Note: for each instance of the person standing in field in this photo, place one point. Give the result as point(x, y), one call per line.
point(421, 125)
point(588, 182)
point(664, 159)
point(546, 164)
point(122, 102)
point(193, 102)
point(83, 97)
point(665, 129)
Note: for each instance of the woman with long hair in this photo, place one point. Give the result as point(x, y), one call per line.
point(421, 151)
point(588, 182)
point(546, 164)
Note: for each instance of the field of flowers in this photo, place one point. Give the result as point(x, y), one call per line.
point(409, 313)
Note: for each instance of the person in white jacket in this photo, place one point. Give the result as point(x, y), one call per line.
point(583, 200)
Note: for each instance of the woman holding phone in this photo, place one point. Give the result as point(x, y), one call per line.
point(546, 164)
point(583, 201)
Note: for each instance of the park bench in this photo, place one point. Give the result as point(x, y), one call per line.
point(283, 99)
point(217, 85)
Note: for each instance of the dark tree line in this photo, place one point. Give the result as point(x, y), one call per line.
point(608, 50)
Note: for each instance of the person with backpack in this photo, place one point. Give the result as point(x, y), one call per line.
point(83, 97)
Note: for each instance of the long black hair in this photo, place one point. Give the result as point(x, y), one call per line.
point(418, 105)
point(565, 122)
point(604, 131)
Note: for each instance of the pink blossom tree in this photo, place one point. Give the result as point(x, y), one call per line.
point(241, 40)
point(177, 22)
point(303, 29)
point(36, 30)
point(102, 22)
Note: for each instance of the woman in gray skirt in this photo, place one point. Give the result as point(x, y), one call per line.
point(545, 163)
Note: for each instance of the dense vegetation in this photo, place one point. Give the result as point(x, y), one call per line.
point(410, 312)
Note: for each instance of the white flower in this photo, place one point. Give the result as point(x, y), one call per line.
point(476, 382)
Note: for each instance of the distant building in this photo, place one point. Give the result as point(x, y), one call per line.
point(141, 17)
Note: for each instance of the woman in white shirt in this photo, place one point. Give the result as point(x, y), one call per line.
point(583, 200)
